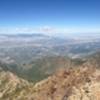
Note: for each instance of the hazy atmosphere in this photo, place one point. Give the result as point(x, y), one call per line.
point(49, 49)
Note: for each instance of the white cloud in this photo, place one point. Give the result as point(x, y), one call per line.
point(45, 29)
point(12, 30)
point(48, 30)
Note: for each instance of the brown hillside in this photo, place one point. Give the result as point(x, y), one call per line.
point(71, 84)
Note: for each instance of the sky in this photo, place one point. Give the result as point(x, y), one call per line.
point(50, 16)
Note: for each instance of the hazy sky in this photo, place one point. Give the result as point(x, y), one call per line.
point(49, 16)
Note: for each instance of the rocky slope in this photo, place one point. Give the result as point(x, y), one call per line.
point(14, 88)
point(81, 83)
point(73, 84)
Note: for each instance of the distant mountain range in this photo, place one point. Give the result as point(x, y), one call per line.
point(24, 47)
point(29, 55)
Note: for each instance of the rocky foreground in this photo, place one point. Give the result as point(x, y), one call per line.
point(73, 84)
point(80, 83)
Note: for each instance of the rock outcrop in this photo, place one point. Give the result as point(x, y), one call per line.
point(73, 84)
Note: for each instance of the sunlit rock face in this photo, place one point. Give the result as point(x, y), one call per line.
point(72, 84)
